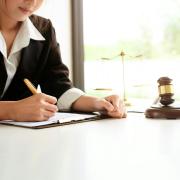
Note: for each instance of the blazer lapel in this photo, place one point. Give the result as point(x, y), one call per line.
point(29, 59)
point(27, 69)
point(3, 74)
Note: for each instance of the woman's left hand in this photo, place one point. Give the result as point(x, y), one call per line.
point(112, 106)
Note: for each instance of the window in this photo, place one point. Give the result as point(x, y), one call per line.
point(147, 31)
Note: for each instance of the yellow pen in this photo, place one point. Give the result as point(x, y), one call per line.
point(30, 86)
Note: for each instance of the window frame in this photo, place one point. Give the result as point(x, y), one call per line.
point(77, 43)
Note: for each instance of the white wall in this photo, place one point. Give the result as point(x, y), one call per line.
point(59, 11)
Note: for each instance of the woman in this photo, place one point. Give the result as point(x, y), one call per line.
point(28, 49)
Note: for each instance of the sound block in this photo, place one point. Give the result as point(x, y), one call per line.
point(163, 112)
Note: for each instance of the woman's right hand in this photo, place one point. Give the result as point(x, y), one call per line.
point(38, 107)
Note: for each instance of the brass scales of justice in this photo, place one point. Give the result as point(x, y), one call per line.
point(164, 108)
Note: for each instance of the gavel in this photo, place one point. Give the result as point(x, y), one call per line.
point(165, 91)
point(164, 109)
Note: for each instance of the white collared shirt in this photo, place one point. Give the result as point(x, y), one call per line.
point(28, 31)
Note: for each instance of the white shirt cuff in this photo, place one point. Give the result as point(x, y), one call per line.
point(66, 100)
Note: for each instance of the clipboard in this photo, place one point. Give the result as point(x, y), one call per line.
point(83, 117)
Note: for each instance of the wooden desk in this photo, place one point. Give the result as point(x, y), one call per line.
point(131, 149)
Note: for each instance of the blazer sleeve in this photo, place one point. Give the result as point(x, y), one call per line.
point(53, 74)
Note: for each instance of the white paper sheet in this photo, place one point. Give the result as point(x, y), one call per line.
point(59, 117)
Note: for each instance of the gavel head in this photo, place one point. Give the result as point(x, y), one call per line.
point(165, 91)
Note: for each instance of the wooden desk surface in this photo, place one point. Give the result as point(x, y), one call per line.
point(130, 149)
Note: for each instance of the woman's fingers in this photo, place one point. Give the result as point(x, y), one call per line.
point(50, 107)
point(38, 107)
point(118, 110)
point(50, 99)
point(114, 100)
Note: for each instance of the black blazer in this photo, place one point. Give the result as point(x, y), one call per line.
point(41, 63)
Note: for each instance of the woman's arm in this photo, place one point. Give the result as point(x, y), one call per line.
point(112, 105)
point(5, 109)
